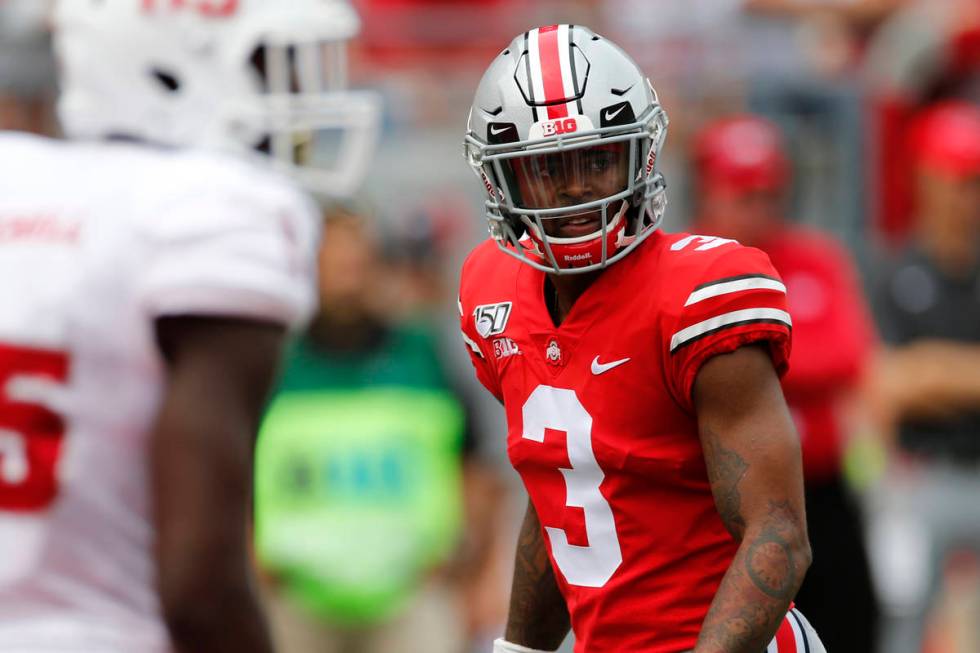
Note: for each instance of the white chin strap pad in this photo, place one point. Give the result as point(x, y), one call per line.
point(501, 645)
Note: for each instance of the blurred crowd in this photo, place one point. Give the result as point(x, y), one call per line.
point(842, 137)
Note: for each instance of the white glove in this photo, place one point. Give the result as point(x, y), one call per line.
point(501, 645)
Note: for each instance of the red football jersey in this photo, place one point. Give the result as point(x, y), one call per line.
point(601, 423)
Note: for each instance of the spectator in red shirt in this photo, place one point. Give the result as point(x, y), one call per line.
point(928, 378)
point(742, 178)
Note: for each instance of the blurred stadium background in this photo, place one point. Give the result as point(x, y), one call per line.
point(843, 79)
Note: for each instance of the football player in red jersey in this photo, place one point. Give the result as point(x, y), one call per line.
point(644, 410)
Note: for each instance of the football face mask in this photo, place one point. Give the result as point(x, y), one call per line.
point(586, 182)
point(565, 132)
point(569, 205)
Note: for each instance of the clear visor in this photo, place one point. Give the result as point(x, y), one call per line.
point(568, 177)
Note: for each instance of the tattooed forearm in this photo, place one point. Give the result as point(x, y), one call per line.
point(752, 457)
point(769, 565)
point(769, 559)
point(538, 617)
point(760, 583)
point(725, 470)
point(735, 624)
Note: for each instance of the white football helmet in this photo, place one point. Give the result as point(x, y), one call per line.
point(234, 75)
point(565, 132)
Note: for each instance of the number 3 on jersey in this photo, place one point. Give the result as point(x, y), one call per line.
point(559, 409)
point(30, 434)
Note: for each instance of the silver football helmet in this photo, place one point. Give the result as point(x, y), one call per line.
point(565, 132)
point(234, 75)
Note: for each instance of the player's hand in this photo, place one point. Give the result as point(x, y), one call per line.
point(501, 645)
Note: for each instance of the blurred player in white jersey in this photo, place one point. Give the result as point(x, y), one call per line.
point(149, 270)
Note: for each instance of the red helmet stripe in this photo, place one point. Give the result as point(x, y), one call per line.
point(551, 74)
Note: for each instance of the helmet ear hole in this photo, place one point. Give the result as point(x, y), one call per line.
point(257, 61)
point(167, 80)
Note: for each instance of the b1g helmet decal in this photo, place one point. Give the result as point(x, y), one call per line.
point(564, 133)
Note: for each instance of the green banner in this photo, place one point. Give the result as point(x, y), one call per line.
point(357, 495)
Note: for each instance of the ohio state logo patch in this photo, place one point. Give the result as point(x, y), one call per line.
point(491, 319)
point(552, 352)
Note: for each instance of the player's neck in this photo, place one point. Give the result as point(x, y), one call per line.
point(562, 291)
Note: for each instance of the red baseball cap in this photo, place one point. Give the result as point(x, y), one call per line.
point(946, 137)
point(742, 153)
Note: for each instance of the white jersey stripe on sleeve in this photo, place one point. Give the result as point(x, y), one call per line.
point(733, 318)
point(534, 56)
point(471, 344)
point(773, 647)
point(741, 284)
point(799, 632)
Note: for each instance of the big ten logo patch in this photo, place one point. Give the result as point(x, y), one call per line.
point(491, 319)
point(504, 347)
point(561, 126)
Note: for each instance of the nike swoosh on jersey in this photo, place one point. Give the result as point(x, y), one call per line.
point(600, 368)
point(612, 114)
point(495, 131)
